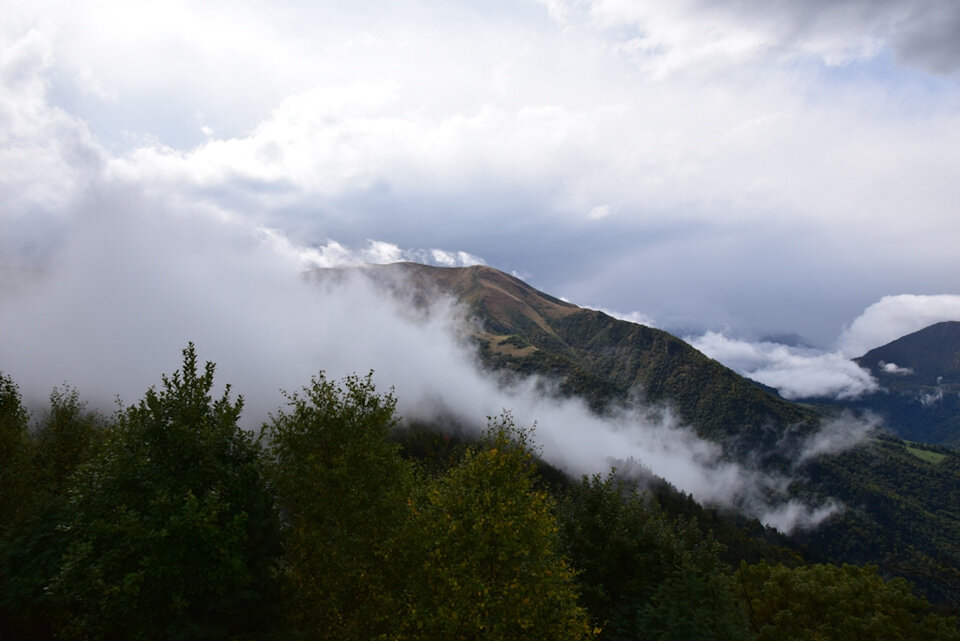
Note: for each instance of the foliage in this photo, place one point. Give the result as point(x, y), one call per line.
point(901, 513)
point(829, 602)
point(490, 564)
point(167, 521)
point(17, 489)
point(643, 576)
point(173, 532)
point(15, 452)
point(342, 486)
point(64, 438)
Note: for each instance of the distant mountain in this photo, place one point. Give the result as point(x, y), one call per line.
point(928, 357)
point(920, 379)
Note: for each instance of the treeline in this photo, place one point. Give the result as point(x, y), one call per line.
point(169, 521)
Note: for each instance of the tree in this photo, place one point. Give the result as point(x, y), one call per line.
point(17, 489)
point(828, 602)
point(642, 575)
point(15, 453)
point(173, 532)
point(343, 490)
point(489, 560)
point(64, 438)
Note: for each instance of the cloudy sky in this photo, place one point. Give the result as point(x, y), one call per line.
point(728, 170)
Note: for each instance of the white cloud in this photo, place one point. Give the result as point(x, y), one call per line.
point(139, 276)
point(893, 368)
point(894, 316)
point(837, 435)
point(796, 515)
point(161, 166)
point(794, 371)
point(632, 317)
point(600, 211)
point(46, 156)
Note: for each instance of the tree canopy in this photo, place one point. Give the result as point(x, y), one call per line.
point(173, 532)
point(343, 489)
point(491, 565)
point(167, 520)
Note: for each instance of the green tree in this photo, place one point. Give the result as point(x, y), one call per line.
point(173, 531)
point(828, 602)
point(64, 438)
point(343, 488)
point(489, 560)
point(642, 575)
point(17, 489)
point(15, 453)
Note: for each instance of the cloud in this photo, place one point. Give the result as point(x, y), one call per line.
point(837, 435)
point(142, 210)
point(137, 279)
point(375, 252)
point(893, 368)
point(498, 133)
point(894, 316)
point(795, 372)
point(632, 317)
point(795, 515)
point(47, 156)
point(600, 211)
point(711, 33)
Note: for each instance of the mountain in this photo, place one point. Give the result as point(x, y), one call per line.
point(919, 375)
point(899, 503)
point(932, 356)
point(606, 360)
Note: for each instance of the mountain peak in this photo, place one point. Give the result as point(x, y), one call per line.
point(598, 357)
point(929, 356)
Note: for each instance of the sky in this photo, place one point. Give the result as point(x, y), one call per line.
point(722, 169)
point(776, 181)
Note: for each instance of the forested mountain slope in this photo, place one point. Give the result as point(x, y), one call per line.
point(898, 504)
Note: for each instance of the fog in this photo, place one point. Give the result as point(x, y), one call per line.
point(135, 278)
point(795, 372)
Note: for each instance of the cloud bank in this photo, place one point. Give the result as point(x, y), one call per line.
point(711, 163)
point(894, 316)
point(790, 162)
point(134, 280)
point(795, 372)
point(805, 372)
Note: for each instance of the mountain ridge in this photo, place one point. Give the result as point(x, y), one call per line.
point(932, 355)
point(604, 359)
